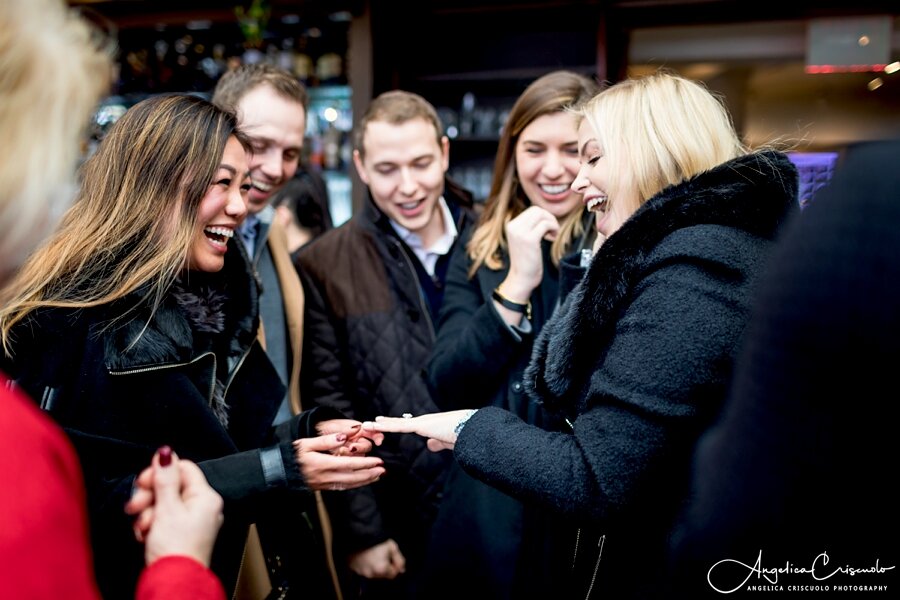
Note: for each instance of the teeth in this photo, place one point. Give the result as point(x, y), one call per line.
point(409, 205)
point(223, 231)
point(555, 189)
point(263, 187)
point(595, 203)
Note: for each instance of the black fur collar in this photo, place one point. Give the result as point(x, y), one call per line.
point(754, 193)
point(167, 335)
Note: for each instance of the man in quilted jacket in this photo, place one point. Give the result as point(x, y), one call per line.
point(373, 291)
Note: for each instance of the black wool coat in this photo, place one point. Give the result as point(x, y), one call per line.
point(123, 382)
point(638, 358)
point(478, 360)
point(368, 337)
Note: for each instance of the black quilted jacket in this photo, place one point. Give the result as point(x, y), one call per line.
point(368, 336)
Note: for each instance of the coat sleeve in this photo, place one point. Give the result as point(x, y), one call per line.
point(355, 516)
point(653, 387)
point(178, 578)
point(475, 349)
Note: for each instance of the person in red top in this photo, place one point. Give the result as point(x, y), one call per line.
point(44, 542)
point(51, 77)
point(44, 550)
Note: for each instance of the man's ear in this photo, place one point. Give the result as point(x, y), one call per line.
point(445, 152)
point(360, 168)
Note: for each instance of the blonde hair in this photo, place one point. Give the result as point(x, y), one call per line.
point(135, 218)
point(554, 92)
point(53, 72)
point(659, 130)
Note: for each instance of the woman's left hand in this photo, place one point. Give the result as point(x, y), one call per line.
point(440, 428)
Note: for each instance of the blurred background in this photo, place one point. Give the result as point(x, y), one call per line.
point(820, 75)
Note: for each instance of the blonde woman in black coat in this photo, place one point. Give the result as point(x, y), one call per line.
point(135, 325)
point(639, 356)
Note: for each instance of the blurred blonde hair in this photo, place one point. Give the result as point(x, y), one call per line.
point(53, 71)
point(659, 130)
point(134, 220)
point(558, 91)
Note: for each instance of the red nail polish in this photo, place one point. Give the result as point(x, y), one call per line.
point(165, 456)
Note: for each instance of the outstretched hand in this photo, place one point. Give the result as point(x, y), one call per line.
point(439, 428)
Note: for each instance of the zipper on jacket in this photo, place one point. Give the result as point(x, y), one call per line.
point(575, 554)
point(600, 543)
point(423, 305)
point(233, 372)
point(175, 366)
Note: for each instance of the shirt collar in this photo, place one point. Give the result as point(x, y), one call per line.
point(443, 244)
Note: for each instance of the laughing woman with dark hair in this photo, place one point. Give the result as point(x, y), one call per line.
point(136, 325)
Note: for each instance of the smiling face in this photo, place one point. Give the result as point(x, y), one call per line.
point(276, 126)
point(547, 162)
point(612, 204)
point(404, 167)
point(221, 210)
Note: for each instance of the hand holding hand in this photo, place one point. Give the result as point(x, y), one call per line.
point(439, 428)
point(384, 561)
point(358, 442)
point(177, 511)
point(322, 470)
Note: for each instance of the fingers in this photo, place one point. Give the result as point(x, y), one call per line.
point(397, 560)
point(196, 490)
point(144, 493)
point(141, 499)
point(382, 561)
point(166, 477)
point(322, 443)
point(438, 446)
point(142, 523)
point(392, 425)
point(327, 472)
point(534, 223)
point(348, 426)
